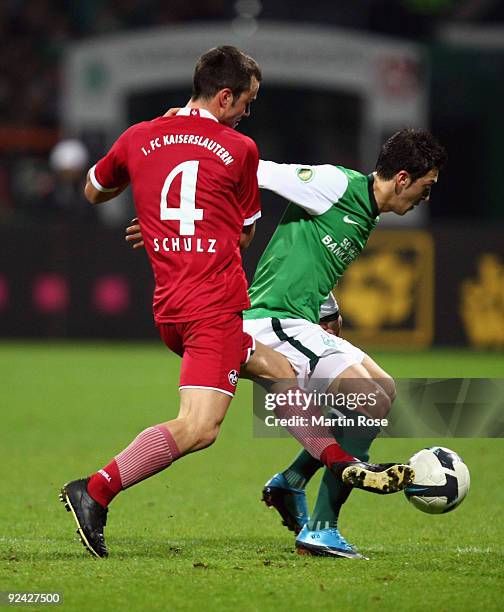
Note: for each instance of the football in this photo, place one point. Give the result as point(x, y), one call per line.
point(441, 480)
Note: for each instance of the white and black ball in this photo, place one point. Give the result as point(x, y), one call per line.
point(441, 481)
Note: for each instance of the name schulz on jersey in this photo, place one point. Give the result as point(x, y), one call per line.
point(177, 245)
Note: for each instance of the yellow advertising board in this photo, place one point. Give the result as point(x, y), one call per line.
point(481, 305)
point(386, 297)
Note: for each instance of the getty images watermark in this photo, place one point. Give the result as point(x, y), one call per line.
point(305, 403)
point(417, 407)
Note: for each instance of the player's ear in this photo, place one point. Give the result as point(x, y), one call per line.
point(225, 97)
point(402, 179)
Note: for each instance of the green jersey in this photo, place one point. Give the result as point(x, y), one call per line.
point(332, 213)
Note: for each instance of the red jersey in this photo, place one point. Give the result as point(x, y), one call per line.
point(194, 184)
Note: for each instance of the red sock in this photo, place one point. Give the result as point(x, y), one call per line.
point(318, 440)
point(105, 484)
point(153, 450)
point(334, 453)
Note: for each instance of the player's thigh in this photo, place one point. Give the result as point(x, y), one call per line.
point(203, 407)
point(212, 353)
point(276, 359)
point(358, 386)
point(378, 374)
point(201, 413)
point(267, 363)
point(341, 365)
point(334, 356)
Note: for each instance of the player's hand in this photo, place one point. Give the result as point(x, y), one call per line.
point(134, 234)
point(333, 327)
point(172, 112)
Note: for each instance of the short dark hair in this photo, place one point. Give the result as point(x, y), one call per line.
point(416, 151)
point(224, 67)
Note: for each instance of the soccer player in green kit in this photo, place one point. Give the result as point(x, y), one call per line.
point(333, 211)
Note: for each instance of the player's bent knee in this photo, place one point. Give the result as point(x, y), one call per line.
point(206, 437)
point(381, 377)
point(205, 432)
point(389, 386)
point(382, 406)
point(193, 434)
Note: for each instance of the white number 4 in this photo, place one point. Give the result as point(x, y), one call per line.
point(187, 214)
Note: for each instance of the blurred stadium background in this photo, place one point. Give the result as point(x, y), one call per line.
point(339, 77)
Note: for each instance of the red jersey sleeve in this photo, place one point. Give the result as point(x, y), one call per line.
point(111, 171)
point(248, 194)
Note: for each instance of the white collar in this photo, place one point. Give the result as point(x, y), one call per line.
point(186, 111)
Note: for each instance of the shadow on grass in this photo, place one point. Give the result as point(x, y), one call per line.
point(262, 550)
point(221, 548)
point(47, 555)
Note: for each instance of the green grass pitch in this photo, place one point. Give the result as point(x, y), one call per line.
point(196, 536)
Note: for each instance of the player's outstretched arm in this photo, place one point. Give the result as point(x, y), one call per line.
point(314, 188)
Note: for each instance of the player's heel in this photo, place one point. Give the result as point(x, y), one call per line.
point(289, 502)
point(63, 500)
point(275, 498)
point(267, 497)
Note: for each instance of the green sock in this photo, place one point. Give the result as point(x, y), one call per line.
point(301, 470)
point(333, 494)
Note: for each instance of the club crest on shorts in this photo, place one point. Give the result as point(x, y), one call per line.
point(328, 340)
point(233, 377)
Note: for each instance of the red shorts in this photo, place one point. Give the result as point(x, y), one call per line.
point(212, 351)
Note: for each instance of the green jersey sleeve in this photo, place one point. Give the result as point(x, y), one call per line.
point(313, 188)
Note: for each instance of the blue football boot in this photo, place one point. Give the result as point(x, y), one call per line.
point(290, 503)
point(325, 543)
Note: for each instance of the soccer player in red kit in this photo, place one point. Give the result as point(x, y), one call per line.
point(196, 195)
point(195, 188)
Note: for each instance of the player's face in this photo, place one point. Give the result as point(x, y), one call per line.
point(411, 193)
point(240, 106)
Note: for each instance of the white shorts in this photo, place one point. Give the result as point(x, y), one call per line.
point(316, 356)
